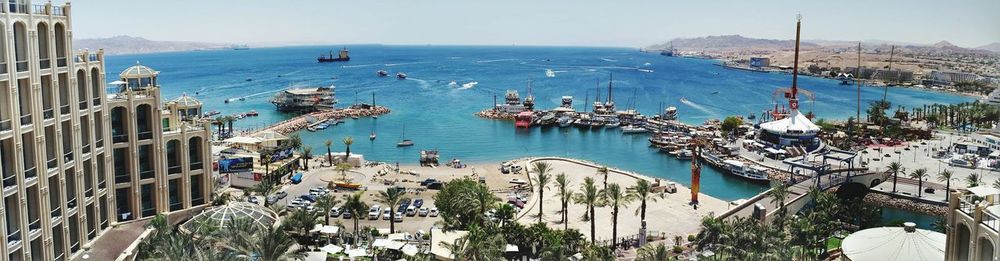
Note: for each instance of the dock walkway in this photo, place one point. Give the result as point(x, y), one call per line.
point(299, 122)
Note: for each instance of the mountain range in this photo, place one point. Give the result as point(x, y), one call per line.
point(738, 42)
point(124, 44)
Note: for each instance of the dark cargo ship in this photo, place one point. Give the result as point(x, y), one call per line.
point(341, 57)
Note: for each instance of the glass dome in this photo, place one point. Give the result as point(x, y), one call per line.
point(139, 76)
point(219, 216)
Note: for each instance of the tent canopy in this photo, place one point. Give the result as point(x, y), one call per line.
point(894, 243)
point(984, 190)
point(795, 124)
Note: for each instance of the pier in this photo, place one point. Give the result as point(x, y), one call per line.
point(299, 122)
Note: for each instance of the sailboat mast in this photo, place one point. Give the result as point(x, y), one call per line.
point(597, 98)
point(885, 90)
point(611, 78)
point(857, 75)
point(793, 102)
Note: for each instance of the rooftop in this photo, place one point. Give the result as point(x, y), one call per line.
point(138, 71)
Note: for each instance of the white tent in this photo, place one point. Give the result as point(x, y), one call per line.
point(410, 250)
point(356, 252)
point(894, 243)
point(984, 190)
point(329, 230)
point(795, 124)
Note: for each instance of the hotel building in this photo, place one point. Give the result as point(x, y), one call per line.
point(973, 229)
point(75, 161)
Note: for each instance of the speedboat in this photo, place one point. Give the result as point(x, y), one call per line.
point(684, 99)
point(382, 73)
point(371, 136)
point(404, 143)
point(401, 76)
point(684, 154)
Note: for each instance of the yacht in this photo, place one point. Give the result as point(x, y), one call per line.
point(684, 154)
point(565, 121)
point(670, 114)
point(612, 123)
point(632, 129)
point(740, 169)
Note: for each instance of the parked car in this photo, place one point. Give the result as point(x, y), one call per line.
point(348, 215)
point(374, 212)
point(518, 181)
point(398, 217)
point(310, 198)
point(435, 185)
point(405, 203)
point(433, 212)
point(335, 211)
point(428, 181)
point(422, 212)
point(411, 211)
point(386, 214)
point(272, 199)
point(253, 199)
point(418, 202)
point(281, 194)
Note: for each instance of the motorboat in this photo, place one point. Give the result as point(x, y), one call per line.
point(404, 143)
point(565, 121)
point(401, 76)
point(632, 129)
point(371, 136)
point(612, 123)
point(382, 73)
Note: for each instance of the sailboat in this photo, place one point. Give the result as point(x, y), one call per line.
point(404, 142)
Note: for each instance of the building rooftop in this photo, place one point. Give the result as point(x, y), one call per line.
point(138, 71)
point(894, 243)
point(185, 101)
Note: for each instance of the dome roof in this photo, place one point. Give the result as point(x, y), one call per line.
point(894, 243)
point(186, 101)
point(219, 216)
point(138, 71)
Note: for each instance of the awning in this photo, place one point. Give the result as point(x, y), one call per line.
point(331, 249)
point(244, 140)
point(984, 190)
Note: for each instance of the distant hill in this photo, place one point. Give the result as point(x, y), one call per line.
point(993, 47)
point(124, 44)
point(728, 42)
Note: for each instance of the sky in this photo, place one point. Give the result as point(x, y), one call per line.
point(637, 23)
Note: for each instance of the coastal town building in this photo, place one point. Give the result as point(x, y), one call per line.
point(62, 138)
point(882, 74)
point(160, 151)
point(993, 98)
point(973, 222)
point(952, 77)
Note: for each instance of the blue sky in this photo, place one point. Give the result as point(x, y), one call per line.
point(525, 22)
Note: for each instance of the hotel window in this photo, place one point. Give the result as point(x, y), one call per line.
point(147, 200)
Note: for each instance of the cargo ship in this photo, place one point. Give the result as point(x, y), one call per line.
point(342, 56)
point(304, 99)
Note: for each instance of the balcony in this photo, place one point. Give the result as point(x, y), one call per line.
point(52, 163)
point(174, 169)
point(196, 165)
point(64, 109)
point(26, 120)
point(22, 66)
point(44, 64)
point(96, 101)
point(34, 226)
point(68, 157)
point(57, 212)
point(145, 135)
point(48, 114)
point(5, 125)
point(102, 185)
point(86, 149)
point(83, 105)
point(119, 138)
point(30, 173)
point(13, 238)
point(58, 11)
point(9, 182)
point(61, 62)
point(38, 9)
point(100, 143)
point(93, 58)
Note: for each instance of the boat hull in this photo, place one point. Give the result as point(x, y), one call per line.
point(327, 60)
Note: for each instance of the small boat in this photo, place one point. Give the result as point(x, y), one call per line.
point(354, 117)
point(252, 113)
point(382, 73)
point(249, 79)
point(684, 154)
point(684, 99)
point(375, 117)
point(404, 143)
point(347, 185)
point(312, 129)
point(565, 121)
point(401, 76)
point(715, 92)
point(371, 136)
point(613, 123)
point(632, 129)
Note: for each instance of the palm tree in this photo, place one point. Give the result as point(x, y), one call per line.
point(229, 121)
point(603, 171)
point(329, 155)
point(300, 220)
point(391, 197)
point(248, 239)
point(294, 141)
point(919, 174)
point(589, 197)
point(973, 180)
point(565, 195)
point(652, 252)
point(326, 203)
point(357, 207)
point(642, 190)
point(615, 197)
point(347, 142)
point(266, 160)
point(778, 193)
point(896, 169)
point(542, 179)
point(996, 184)
point(480, 244)
point(307, 155)
point(945, 176)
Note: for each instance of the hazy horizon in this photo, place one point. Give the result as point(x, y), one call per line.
point(526, 23)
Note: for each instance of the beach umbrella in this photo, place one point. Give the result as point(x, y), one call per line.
point(410, 250)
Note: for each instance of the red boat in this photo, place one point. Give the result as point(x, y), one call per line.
point(523, 119)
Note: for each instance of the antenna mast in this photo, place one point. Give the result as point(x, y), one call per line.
point(793, 102)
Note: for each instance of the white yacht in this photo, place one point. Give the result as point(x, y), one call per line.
point(740, 169)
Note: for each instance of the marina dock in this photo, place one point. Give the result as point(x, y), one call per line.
point(300, 122)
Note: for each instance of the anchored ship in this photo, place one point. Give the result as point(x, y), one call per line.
point(304, 99)
point(342, 56)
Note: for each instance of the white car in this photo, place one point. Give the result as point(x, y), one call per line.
point(386, 214)
point(398, 217)
point(373, 212)
point(335, 212)
point(423, 212)
point(518, 181)
point(433, 212)
point(411, 211)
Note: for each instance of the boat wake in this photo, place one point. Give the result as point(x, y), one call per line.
point(647, 64)
point(549, 73)
point(452, 84)
point(358, 66)
point(696, 106)
point(468, 85)
point(423, 83)
point(397, 64)
point(608, 60)
point(497, 60)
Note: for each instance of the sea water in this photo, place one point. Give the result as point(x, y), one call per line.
point(436, 114)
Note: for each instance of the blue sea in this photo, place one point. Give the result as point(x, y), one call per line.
point(437, 114)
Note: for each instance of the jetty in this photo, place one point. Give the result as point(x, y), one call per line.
point(300, 122)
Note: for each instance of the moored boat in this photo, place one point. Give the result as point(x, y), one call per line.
point(565, 121)
point(632, 129)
